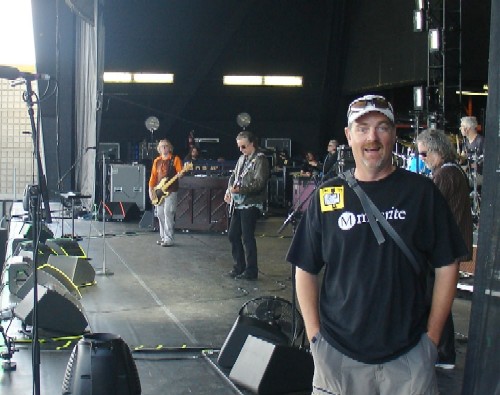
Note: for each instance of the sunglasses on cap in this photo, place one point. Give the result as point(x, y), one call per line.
point(367, 104)
point(374, 101)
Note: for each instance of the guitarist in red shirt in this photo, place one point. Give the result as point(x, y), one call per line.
point(165, 167)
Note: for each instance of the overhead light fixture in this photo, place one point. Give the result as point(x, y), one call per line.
point(418, 21)
point(282, 80)
point(259, 80)
point(251, 80)
point(117, 77)
point(151, 78)
point(140, 78)
point(434, 40)
point(470, 93)
point(418, 98)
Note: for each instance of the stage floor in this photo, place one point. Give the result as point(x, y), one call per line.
point(172, 297)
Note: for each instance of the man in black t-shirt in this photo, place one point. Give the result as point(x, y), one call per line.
point(368, 324)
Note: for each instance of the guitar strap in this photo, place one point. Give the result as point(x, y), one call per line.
point(245, 167)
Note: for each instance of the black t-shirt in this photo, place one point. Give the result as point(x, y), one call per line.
point(475, 151)
point(372, 302)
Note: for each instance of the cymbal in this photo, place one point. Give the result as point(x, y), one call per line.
point(406, 143)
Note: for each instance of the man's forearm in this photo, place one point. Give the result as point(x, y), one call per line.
point(308, 297)
point(445, 287)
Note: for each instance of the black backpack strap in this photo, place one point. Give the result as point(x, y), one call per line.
point(365, 201)
point(373, 212)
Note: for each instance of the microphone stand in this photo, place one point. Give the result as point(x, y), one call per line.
point(104, 271)
point(292, 218)
point(35, 193)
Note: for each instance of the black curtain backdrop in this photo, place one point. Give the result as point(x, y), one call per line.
point(481, 374)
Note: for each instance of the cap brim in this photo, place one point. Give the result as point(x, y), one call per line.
point(358, 114)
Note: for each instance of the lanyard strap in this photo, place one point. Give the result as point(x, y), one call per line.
point(373, 212)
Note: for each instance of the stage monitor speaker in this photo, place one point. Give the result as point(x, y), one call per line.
point(238, 334)
point(62, 285)
point(267, 368)
point(77, 269)
point(25, 248)
point(65, 246)
point(121, 211)
point(45, 233)
point(56, 313)
point(19, 269)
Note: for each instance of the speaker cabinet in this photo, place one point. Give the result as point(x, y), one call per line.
point(60, 284)
point(25, 248)
point(19, 269)
point(45, 232)
point(267, 368)
point(238, 334)
point(101, 364)
point(128, 184)
point(56, 313)
point(79, 270)
point(120, 211)
point(65, 246)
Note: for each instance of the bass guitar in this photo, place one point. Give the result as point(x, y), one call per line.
point(160, 191)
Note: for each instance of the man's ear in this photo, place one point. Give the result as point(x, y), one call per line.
point(348, 135)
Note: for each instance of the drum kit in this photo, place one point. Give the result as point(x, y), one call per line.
point(405, 155)
point(470, 165)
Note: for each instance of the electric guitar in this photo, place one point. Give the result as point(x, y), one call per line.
point(160, 191)
point(236, 198)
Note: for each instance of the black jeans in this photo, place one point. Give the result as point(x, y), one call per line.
point(242, 238)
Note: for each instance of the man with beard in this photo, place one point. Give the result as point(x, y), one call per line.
point(368, 323)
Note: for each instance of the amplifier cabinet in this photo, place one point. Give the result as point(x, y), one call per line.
point(278, 145)
point(128, 184)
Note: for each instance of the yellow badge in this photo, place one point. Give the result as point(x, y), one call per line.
point(331, 198)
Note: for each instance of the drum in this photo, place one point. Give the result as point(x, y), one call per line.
point(411, 165)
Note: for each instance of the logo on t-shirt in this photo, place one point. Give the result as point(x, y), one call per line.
point(348, 220)
point(331, 198)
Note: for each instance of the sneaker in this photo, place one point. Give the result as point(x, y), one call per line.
point(445, 366)
point(167, 244)
point(246, 276)
point(233, 273)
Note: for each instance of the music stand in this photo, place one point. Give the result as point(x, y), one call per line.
point(72, 196)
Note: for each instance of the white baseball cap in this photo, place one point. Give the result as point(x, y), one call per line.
point(369, 103)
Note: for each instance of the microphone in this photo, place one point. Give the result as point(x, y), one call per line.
point(12, 73)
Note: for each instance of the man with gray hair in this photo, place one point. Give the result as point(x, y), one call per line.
point(438, 154)
point(473, 144)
